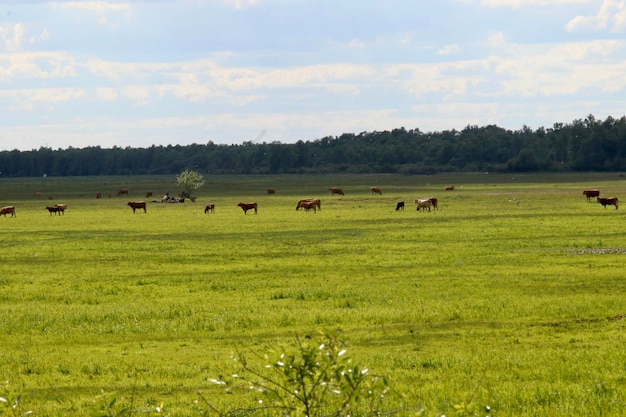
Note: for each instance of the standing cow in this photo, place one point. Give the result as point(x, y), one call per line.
point(137, 205)
point(591, 194)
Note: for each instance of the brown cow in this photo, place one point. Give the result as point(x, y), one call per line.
point(38, 194)
point(334, 190)
point(316, 201)
point(248, 206)
point(608, 201)
point(434, 201)
point(137, 205)
point(590, 194)
point(149, 194)
point(61, 208)
point(99, 195)
point(449, 188)
point(209, 207)
point(308, 205)
point(271, 191)
point(7, 210)
point(375, 190)
point(122, 191)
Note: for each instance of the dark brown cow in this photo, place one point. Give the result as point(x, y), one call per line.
point(209, 207)
point(271, 191)
point(375, 190)
point(149, 194)
point(316, 201)
point(7, 210)
point(590, 194)
point(334, 190)
point(449, 188)
point(434, 201)
point(608, 201)
point(98, 195)
point(123, 191)
point(137, 205)
point(53, 209)
point(38, 194)
point(248, 206)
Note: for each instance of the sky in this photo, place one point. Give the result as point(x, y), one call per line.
point(141, 73)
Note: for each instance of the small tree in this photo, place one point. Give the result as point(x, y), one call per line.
point(316, 378)
point(189, 181)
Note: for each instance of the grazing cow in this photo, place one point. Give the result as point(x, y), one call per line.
point(423, 203)
point(7, 210)
point(99, 195)
point(590, 194)
point(137, 205)
point(434, 201)
point(271, 191)
point(248, 206)
point(123, 191)
point(149, 194)
point(375, 190)
point(335, 190)
point(308, 205)
point(400, 206)
point(61, 208)
point(608, 201)
point(449, 188)
point(53, 209)
point(38, 194)
point(209, 207)
point(316, 201)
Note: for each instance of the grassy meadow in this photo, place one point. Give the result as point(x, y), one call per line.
point(512, 295)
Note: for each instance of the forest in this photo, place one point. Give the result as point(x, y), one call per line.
point(586, 144)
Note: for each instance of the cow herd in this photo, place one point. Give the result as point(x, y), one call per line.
point(306, 204)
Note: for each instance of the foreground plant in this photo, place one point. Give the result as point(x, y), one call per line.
point(10, 402)
point(316, 378)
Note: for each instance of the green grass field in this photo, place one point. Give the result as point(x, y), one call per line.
point(512, 295)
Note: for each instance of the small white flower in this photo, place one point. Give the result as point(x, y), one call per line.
point(216, 382)
point(4, 400)
point(364, 371)
point(279, 363)
point(322, 346)
point(341, 353)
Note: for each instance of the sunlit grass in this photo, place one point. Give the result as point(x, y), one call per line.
point(511, 294)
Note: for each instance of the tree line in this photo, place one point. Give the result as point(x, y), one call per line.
point(583, 145)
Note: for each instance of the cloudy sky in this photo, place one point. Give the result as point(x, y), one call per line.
point(141, 73)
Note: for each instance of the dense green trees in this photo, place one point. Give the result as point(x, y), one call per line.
point(582, 145)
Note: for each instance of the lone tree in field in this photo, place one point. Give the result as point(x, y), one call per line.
point(189, 180)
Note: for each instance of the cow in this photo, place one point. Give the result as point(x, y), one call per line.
point(149, 194)
point(123, 191)
point(38, 194)
point(608, 201)
point(449, 188)
point(308, 205)
point(53, 209)
point(316, 201)
point(61, 208)
point(434, 201)
point(248, 206)
point(400, 206)
point(334, 190)
point(375, 190)
point(7, 210)
point(98, 195)
point(137, 205)
point(209, 207)
point(271, 191)
point(423, 203)
point(590, 194)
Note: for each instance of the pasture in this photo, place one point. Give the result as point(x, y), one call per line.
point(512, 295)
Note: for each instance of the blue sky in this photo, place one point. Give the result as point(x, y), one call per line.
point(142, 73)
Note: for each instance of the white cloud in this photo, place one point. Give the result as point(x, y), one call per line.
point(12, 35)
point(611, 16)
